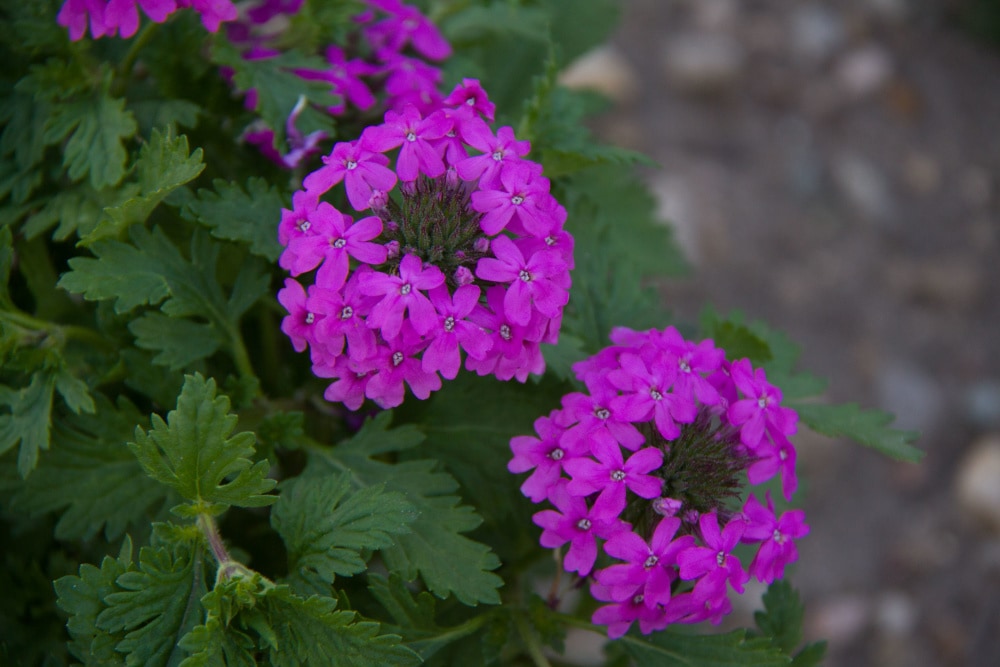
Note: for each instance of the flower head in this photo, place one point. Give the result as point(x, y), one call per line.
point(657, 449)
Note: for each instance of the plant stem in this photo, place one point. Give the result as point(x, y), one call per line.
point(125, 67)
point(228, 568)
point(60, 331)
point(530, 640)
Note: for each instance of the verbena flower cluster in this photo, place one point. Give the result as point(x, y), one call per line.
point(121, 17)
point(388, 59)
point(651, 462)
point(467, 256)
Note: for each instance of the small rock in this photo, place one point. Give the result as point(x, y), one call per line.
point(863, 185)
point(840, 620)
point(976, 187)
point(895, 613)
point(675, 205)
point(816, 31)
point(978, 482)
point(982, 404)
point(863, 71)
point(909, 393)
point(921, 173)
point(703, 63)
point(604, 70)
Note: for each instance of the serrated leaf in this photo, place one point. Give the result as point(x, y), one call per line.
point(157, 603)
point(28, 422)
point(868, 427)
point(192, 452)
point(83, 597)
point(165, 163)
point(250, 617)
point(92, 477)
point(327, 528)
point(448, 563)
point(76, 210)
point(736, 339)
point(279, 89)
point(75, 392)
point(810, 656)
point(672, 649)
point(781, 619)
point(95, 127)
point(252, 282)
point(177, 341)
point(249, 216)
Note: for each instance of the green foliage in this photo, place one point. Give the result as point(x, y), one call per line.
point(465, 569)
point(869, 427)
point(192, 453)
point(91, 477)
point(243, 216)
point(781, 620)
point(673, 649)
point(250, 621)
point(328, 530)
point(28, 421)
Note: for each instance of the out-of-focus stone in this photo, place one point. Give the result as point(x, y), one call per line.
point(921, 173)
point(583, 648)
point(703, 63)
point(817, 31)
point(977, 483)
point(949, 282)
point(863, 185)
point(604, 70)
point(839, 620)
point(895, 613)
point(675, 205)
point(863, 71)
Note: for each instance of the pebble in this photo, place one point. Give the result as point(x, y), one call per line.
point(895, 613)
point(839, 620)
point(977, 483)
point(604, 70)
point(863, 185)
point(816, 31)
point(863, 71)
point(703, 63)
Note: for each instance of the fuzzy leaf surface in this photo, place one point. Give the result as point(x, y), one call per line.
point(327, 526)
point(448, 562)
point(192, 452)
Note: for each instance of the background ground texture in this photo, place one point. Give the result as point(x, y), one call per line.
point(832, 169)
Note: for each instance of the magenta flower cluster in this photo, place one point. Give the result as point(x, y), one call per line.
point(466, 257)
point(121, 17)
point(651, 462)
point(389, 60)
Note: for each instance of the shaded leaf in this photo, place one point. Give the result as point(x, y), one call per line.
point(868, 427)
point(248, 216)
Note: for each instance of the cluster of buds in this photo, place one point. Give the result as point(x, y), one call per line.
point(653, 461)
point(467, 255)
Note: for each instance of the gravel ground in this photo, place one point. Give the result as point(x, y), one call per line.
point(832, 168)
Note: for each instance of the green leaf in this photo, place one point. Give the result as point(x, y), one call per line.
point(84, 597)
point(156, 604)
point(781, 619)
point(76, 210)
point(251, 621)
point(28, 422)
point(75, 392)
point(735, 338)
point(96, 127)
point(250, 216)
point(279, 89)
point(868, 427)
point(178, 342)
point(448, 563)
point(810, 656)
point(6, 264)
point(672, 649)
point(91, 476)
point(165, 163)
point(327, 528)
point(192, 453)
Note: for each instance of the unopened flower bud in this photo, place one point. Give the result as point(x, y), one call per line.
point(666, 506)
point(482, 244)
point(393, 248)
point(463, 276)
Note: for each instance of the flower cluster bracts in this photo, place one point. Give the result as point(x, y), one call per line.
point(652, 461)
point(466, 256)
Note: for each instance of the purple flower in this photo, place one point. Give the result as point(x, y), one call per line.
point(415, 134)
point(74, 15)
point(649, 396)
point(500, 152)
point(546, 456)
point(610, 475)
point(469, 96)
point(619, 616)
point(406, 25)
point(363, 171)
point(715, 562)
point(532, 281)
point(300, 322)
point(213, 12)
point(649, 568)
point(122, 16)
point(761, 406)
point(523, 198)
point(776, 535)
point(396, 363)
point(401, 294)
point(455, 331)
point(578, 524)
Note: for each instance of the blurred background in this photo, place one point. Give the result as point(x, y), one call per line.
point(833, 168)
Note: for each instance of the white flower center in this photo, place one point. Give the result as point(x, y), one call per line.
point(583, 524)
point(684, 365)
point(650, 562)
point(351, 165)
point(397, 358)
point(405, 289)
point(505, 332)
point(721, 558)
point(637, 600)
point(304, 227)
point(556, 454)
point(524, 275)
point(347, 313)
point(762, 402)
point(618, 475)
point(516, 200)
point(471, 101)
point(778, 537)
point(602, 413)
point(340, 243)
point(410, 136)
point(498, 155)
point(782, 454)
point(550, 240)
point(655, 395)
point(310, 318)
point(449, 323)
